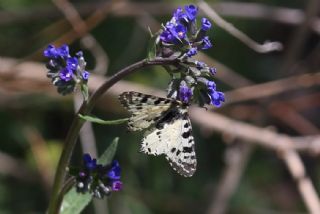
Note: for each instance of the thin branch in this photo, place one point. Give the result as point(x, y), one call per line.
point(264, 48)
point(299, 37)
point(305, 186)
point(281, 143)
point(87, 40)
point(275, 87)
point(310, 144)
point(90, 22)
point(236, 158)
point(298, 121)
point(225, 74)
point(249, 10)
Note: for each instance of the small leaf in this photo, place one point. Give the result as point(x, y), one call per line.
point(103, 122)
point(149, 29)
point(108, 155)
point(152, 47)
point(85, 91)
point(74, 202)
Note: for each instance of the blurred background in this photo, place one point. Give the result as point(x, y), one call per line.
point(240, 167)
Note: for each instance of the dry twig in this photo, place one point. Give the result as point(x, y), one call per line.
point(263, 90)
point(264, 48)
point(236, 158)
point(249, 10)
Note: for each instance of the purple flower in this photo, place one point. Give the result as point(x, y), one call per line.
point(115, 171)
point(72, 63)
point(179, 31)
point(212, 70)
point(185, 94)
point(52, 52)
point(82, 174)
point(205, 24)
point(179, 15)
point(173, 33)
point(79, 54)
point(63, 50)
point(206, 44)
point(98, 179)
point(66, 74)
point(116, 185)
point(211, 86)
point(200, 65)
point(90, 163)
point(191, 11)
point(166, 36)
point(85, 75)
point(191, 52)
point(216, 97)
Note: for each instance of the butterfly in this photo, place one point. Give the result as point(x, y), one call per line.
point(170, 131)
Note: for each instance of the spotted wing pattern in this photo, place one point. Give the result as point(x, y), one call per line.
point(145, 109)
point(172, 136)
point(171, 132)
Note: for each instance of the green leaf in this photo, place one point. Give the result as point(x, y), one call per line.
point(73, 202)
point(152, 47)
point(108, 155)
point(103, 122)
point(151, 34)
point(85, 91)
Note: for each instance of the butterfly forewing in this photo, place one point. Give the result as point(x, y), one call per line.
point(171, 132)
point(145, 109)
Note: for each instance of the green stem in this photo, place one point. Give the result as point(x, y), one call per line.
point(85, 109)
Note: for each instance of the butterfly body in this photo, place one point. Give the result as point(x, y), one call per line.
point(170, 131)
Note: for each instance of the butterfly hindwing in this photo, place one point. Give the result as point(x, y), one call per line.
point(171, 132)
point(173, 138)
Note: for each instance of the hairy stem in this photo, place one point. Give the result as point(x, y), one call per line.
point(86, 107)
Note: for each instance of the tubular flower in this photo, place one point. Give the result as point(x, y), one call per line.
point(97, 179)
point(65, 71)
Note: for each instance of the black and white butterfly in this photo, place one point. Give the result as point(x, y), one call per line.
point(170, 131)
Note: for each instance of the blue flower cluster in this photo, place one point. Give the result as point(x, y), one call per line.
point(100, 180)
point(65, 71)
point(181, 32)
point(182, 37)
